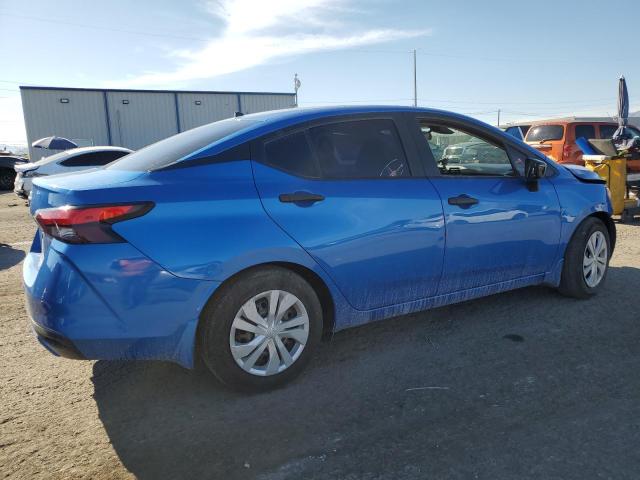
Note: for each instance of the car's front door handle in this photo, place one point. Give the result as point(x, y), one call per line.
point(300, 197)
point(463, 201)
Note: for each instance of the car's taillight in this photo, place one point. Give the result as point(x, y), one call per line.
point(90, 224)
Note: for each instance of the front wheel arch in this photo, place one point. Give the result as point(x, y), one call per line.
point(572, 283)
point(610, 224)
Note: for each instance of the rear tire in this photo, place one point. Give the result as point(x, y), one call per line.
point(7, 177)
point(229, 329)
point(586, 260)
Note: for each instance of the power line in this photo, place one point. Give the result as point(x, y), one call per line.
point(338, 102)
point(100, 27)
point(502, 102)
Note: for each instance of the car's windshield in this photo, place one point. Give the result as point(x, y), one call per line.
point(539, 133)
point(172, 149)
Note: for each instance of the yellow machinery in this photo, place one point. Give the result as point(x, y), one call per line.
point(614, 171)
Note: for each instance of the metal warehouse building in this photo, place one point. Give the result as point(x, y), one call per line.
point(131, 118)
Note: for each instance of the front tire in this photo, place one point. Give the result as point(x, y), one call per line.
point(260, 329)
point(586, 260)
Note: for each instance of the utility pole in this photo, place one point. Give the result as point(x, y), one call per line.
point(498, 117)
point(415, 80)
point(296, 86)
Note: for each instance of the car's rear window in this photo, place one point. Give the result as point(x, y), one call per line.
point(538, 133)
point(168, 151)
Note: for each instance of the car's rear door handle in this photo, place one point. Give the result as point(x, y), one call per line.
point(463, 201)
point(300, 197)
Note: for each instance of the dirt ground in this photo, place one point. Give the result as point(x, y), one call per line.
point(527, 384)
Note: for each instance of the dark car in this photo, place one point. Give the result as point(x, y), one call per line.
point(7, 172)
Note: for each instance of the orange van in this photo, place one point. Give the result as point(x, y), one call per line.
point(557, 138)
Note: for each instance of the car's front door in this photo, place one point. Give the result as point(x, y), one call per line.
point(346, 192)
point(497, 229)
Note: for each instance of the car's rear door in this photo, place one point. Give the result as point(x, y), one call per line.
point(497, 229)
point(352, 193)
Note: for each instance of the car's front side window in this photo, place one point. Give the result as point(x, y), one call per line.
point(457, 152)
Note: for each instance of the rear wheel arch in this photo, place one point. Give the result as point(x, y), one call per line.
point(315, 281)
point(322, 291)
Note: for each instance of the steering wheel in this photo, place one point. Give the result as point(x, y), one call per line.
point(395, 168)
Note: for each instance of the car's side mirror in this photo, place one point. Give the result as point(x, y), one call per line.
point(534, 170)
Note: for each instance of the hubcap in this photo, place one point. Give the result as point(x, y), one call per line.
point(269, 332)
point(594, 264)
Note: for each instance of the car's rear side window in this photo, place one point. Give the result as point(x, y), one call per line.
point(359, 149)
point(292, 154)
point(170, 150)
point(350, 149)
point(607, 131)
point(585, 131)
point(538, 133)
point(93, 159)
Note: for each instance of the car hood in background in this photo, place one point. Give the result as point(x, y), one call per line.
point(584, 174)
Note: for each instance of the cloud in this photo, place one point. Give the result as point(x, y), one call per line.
point(256, 31)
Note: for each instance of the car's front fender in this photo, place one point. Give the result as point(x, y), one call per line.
point(578, 200)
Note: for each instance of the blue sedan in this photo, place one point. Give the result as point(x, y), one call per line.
point(243, 241)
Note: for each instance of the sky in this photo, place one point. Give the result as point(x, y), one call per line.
point(527, 59)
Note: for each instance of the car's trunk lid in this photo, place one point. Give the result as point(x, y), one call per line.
point(73, 188)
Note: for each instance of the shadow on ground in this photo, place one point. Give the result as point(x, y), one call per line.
point(526, 384)
point(9, 256)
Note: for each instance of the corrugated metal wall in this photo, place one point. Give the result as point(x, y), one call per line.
point(131, 118)
point(140, 118)
point(81, 119)
point(197, 109)
point(262, 103)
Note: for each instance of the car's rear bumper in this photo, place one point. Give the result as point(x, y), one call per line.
point(111, 303)
point(56, 343)
point(18, 188)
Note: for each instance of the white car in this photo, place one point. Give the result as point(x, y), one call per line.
point(68, 161)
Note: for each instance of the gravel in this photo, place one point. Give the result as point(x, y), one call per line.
point(526, 384)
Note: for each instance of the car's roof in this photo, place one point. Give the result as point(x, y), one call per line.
point(228, 133)
point(569, 121)
point(328, 111)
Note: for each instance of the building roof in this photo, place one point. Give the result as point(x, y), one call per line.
point(75, 89)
